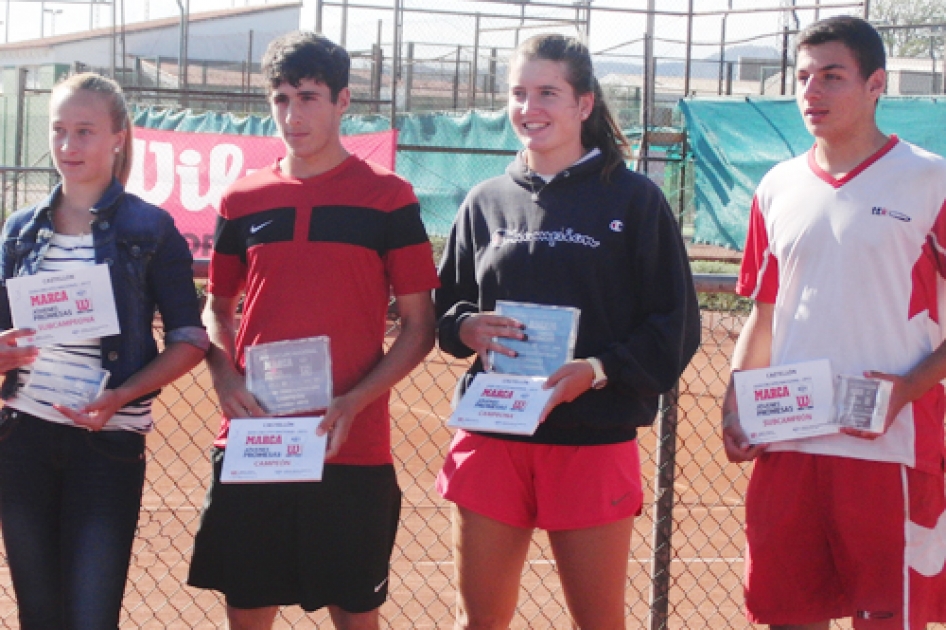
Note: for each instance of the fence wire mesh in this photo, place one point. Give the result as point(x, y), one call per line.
point(705, 559)
point(703, 562)
point(440, 67)
point(22, 187)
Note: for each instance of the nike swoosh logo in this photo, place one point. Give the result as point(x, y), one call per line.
point(256, 228)
point(621, 498)
point(380, 586)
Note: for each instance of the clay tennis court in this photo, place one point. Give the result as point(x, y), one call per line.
point(705, 569)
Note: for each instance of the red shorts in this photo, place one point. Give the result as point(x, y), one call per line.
point(542, 485)
point(832, 537)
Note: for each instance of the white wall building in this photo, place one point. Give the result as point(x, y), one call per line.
point(215, 36)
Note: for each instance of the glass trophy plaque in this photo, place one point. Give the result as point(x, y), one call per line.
point(292, 376)
point(551, 332)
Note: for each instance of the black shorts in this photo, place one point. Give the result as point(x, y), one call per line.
point(312, 544)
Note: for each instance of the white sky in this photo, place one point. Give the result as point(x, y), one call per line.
point(608, 29)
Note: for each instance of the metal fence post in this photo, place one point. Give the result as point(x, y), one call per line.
point(20, 125)
point(408, 77)
point(663, 510)
point(377, 62)
point(20, 116)
point(456, 81)
point(474, 65)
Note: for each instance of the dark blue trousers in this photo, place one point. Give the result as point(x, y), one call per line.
point(69, 502)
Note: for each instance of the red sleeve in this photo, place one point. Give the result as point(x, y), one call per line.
point(937, 241)
point(225, 276)
point(758, 275)
point(929, 271)
point(411, 269)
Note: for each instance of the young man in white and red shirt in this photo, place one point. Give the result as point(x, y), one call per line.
point(845, 260)
point(317, 244)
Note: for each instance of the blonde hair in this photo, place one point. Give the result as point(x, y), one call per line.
point(117, 109)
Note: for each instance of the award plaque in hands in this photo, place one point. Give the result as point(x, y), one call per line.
point(863, 402)
point(290, 377)
point(551, 332)
point(68, 383)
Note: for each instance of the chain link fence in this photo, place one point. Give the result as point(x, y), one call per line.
point(699, 568)
point(704, 561)
point(22, 187)
point(685, 566)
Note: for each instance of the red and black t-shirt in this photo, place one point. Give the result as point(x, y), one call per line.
point(322, 256)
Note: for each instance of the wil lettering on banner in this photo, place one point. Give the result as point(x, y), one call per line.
point(186, 173)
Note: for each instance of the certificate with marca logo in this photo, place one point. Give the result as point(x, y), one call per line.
point(266, 450)
point(786, 402)
point(64, 306)
point(502, 403)
point(510, 397)
point(799, 400)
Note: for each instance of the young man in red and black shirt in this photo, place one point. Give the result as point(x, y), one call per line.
point(316, 243)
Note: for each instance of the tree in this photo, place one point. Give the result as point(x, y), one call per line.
point(913, 17)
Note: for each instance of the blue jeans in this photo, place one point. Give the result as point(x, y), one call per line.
point(69, 502)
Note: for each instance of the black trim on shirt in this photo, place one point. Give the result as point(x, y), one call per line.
point(236, 236)
point(367, 227)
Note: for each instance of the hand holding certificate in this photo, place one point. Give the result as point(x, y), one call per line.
point(263, 450)
point(502, 403)
point(801, 400)
point(511, 397)
point(286, 377)
point(14, 354)
point(64, 306)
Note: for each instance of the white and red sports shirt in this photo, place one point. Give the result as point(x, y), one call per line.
point(855, 268)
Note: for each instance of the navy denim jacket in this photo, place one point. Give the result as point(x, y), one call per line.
point(150, 266)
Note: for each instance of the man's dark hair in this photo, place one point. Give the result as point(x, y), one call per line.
point(855, 34)
point(293, 57)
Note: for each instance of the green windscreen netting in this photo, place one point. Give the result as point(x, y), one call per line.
point(441, 173)
point(215, 122)
point(735, 141)
point(442, 154)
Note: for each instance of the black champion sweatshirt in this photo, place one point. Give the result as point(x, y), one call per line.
point(611, 249)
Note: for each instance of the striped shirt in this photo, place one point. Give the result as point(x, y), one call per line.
point(67, 252)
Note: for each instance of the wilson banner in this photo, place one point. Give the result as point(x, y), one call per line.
point(186, 173)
